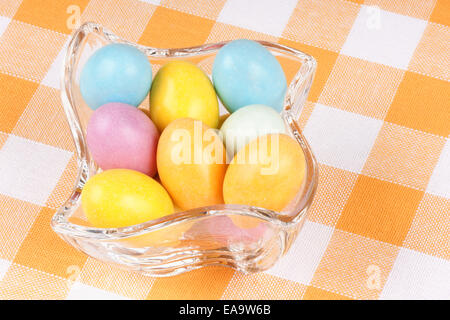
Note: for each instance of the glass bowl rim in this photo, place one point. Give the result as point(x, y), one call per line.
point(60, 221)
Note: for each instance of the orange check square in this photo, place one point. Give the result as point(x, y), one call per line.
point(441, 12)
point(262, 286)
point(380, 210)
point(112, 279)
point(334, 188)
point(290, 67)
point(414, 8)
point(9, 8)
point(202, 284)
point(16, 219)
point(57, 15)
point(22, 283)
point(173, 29)
point(222, 32)
point(430, 230)
point(126, 18)
point(327, 30)
point(43, 250)
point(28, 51)
point(325, 62)
point(305, 114)
point(44, 120)
point(404, 156)
point(202, 8)
point(313, 293)
point(422, 103)
point(354, 266)
point(432, 55)
point(361, 87)
point(16, 93)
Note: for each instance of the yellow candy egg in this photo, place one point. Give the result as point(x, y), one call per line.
point(181, 89)
point(268, 172)
point(191, 161)
point(122, 197)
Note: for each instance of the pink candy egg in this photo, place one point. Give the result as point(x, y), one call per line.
point(121, 136)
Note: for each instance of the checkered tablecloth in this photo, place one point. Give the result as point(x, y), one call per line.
point(377, 117)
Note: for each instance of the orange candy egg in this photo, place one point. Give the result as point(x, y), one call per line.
point(268, 172)
point(191, 161)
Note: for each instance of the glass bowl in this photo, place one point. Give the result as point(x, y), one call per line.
point(195, 238)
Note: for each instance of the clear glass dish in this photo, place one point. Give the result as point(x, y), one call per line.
point(200, 237)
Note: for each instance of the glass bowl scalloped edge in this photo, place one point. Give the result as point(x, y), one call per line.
point(143, 247)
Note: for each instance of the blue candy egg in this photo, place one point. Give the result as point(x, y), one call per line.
point(245, 73)
point(116, 73)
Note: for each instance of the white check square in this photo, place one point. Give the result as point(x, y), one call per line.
point(384, 37)
point(4, 21)
point(29, 170)
point(439, 183)
point(54, 74)
point(341, 139)
point(417, 276)
point(80, 291)
point(300, 263)
point(4, 266)
point(266, 16)
point(155, 2)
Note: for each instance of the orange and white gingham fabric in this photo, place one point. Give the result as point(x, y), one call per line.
point(377, 117)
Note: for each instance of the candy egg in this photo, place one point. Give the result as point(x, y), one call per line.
point(191, 163)
point(248, 123)
point(181, 89)
point(245, 72)
point(116, 73)
point(121, 197)
point(268, 173)
point(121, 136)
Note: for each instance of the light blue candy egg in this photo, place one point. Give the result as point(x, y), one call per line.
point(245, 73)
point(116, 73)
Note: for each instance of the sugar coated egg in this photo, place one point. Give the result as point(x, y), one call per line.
point(121, 197)
point(248, 123)
point(268, 173)
point(191, 163)
point(245, 72)
point(121, 136)
point(181, 89)
point(116, 73)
